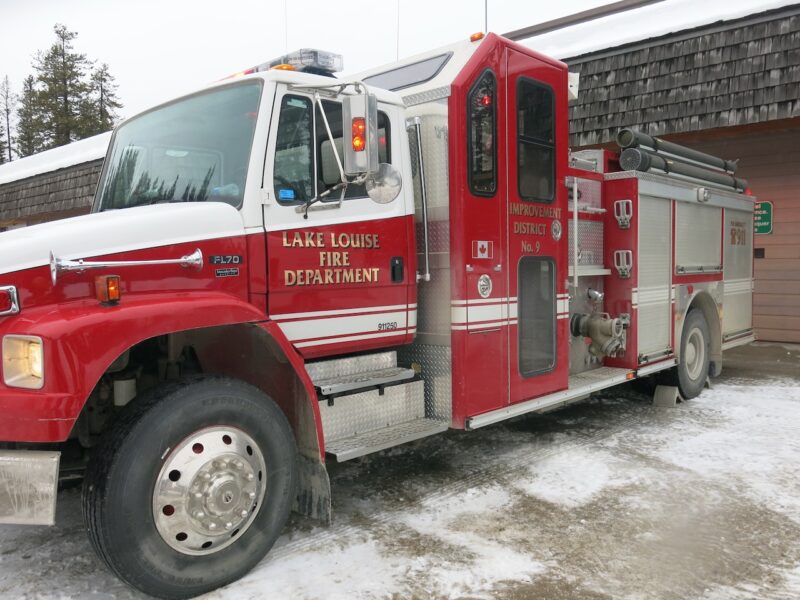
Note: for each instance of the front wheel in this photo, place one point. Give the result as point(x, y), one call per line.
point(692, 371)
point(191, 486)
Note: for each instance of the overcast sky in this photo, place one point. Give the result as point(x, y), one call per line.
point(158, 49)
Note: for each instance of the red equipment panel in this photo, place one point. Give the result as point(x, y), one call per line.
point(508, 211)
point(537, 118)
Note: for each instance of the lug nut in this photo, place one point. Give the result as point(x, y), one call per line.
point(249, 477)
point(199, 514)
point(212, 526)
point(198, 494)
point(228, 525)
point(252, 495)
point(243, 514)
point(206, 476)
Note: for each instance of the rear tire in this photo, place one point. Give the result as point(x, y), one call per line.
point(212, 459)
point(692, 371)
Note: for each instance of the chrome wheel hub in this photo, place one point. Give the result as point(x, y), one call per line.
point(695, 353)
point(209, 490)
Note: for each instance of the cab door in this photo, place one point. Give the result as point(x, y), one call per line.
point(536, 225)
point(480, 299)
point(340, 273)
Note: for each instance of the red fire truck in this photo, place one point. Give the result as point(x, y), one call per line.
point(286, 268)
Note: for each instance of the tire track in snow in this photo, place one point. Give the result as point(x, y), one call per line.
point(503, 466)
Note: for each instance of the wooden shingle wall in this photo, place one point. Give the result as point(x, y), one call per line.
point(67, 190)
point(742, 72)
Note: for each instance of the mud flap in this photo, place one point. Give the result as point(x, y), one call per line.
point(313, 490)
point(28, 486)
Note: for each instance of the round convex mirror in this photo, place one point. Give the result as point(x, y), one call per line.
point(384, 185)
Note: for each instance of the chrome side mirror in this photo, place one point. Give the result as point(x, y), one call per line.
point(384, 185)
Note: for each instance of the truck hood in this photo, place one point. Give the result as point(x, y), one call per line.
point(111, 232)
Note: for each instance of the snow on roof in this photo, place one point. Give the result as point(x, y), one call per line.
point(645, 23)
point(76, 153)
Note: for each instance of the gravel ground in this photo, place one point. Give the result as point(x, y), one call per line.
point(608, 499)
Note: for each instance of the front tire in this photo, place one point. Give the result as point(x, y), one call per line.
point(692, 371)
point(191, 486)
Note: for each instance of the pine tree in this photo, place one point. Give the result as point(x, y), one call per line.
point(29, 121)
point(62, 75)
point(3, 144)
point(8, 100)
point(100, 109)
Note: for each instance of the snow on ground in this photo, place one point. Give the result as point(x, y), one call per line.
point(752, 450)
point(612, 498)
point(573, 478)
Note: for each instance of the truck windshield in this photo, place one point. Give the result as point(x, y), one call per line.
point(194, 150)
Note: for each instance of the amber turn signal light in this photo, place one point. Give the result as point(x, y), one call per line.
point(359, 134)
point(476, 36)
point(107, 289)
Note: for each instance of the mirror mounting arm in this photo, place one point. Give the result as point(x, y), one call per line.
point(320, 198)
point(318, 100)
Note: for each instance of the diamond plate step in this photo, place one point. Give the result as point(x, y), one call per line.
point(381, 439)
point(359, 381)
point(350, 365)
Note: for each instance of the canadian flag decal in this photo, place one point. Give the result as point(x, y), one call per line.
point(482, 249)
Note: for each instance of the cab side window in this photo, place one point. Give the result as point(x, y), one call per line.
point(535, 141)
point(482, 124)
point(305, 164)
point(293, 172)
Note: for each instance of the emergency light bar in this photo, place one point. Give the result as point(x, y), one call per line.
point(306, 60)
point(311, 61)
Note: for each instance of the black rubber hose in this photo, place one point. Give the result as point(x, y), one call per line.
point(637, 159)
point(628, 138)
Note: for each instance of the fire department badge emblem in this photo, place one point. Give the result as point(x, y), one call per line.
point(484, 286)
point(555, 229)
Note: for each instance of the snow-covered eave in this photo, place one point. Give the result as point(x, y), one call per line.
point(76, 153)
point(621, 30)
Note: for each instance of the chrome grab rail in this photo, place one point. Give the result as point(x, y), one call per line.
point(59, 265)
point(12, 293)
point(416, 124)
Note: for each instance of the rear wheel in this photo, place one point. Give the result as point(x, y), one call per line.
point(692, 371)
point(191, 486)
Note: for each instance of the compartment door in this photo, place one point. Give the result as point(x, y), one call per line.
point(535, 221)
point(654, 293)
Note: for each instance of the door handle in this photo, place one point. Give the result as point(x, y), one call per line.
point(396, 265)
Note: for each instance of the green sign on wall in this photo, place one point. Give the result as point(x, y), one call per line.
point(762, 218)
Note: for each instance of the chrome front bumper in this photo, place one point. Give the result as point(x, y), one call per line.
point(28, 485)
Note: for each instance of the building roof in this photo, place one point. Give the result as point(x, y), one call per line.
point(50, 194)
point(82, 151)
point(722, 74)
point(57, 181)
point(645, 23)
